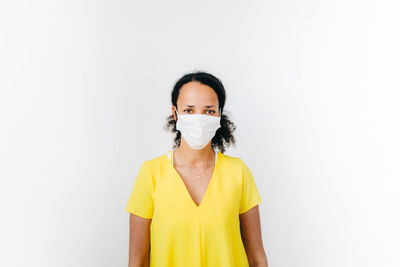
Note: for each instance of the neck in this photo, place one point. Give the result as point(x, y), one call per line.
point(184, 155)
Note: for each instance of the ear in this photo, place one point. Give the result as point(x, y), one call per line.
point(174, 112)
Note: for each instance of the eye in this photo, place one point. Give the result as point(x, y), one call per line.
point(212, 111)
point(187, 110)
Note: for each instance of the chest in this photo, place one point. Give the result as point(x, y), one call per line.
point(196, 182)
point(180, 197)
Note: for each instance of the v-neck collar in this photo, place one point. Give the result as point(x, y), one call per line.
point(210, 183)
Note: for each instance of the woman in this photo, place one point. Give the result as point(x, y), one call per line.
point(195, 206)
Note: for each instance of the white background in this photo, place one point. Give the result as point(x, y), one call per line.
point(312, 86)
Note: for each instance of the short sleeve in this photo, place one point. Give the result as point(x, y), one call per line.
point(250, 196)
point(140, 201)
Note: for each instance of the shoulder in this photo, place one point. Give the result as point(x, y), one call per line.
point(236, 168)
point(155, 162)
point(234, 162)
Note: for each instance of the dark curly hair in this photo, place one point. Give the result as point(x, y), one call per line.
point(224, 135)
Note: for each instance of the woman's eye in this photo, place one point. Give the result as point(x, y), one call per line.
point(186, 110)
point(212, 111)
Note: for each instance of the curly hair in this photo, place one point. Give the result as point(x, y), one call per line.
point(224, 135)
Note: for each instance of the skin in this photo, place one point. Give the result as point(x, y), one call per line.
point(139, 241)
point(196, 98)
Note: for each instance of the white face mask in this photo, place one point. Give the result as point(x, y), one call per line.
point(197, 129)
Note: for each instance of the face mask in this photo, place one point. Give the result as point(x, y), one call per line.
point(197, 129)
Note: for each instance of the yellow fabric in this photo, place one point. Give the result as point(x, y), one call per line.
point(183, 234)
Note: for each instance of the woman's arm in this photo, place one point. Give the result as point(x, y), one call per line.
point(252, 240)
point(139, 241)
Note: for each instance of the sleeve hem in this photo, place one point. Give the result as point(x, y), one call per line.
point(139, 214)
point(251, 206)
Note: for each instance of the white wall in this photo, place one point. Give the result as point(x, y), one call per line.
point(312, 87)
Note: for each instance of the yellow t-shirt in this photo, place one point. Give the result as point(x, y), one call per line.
point(183, 234)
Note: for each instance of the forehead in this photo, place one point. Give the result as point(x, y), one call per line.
point(197, 94)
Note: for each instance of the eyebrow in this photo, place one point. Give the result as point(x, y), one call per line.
point(207, 106)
